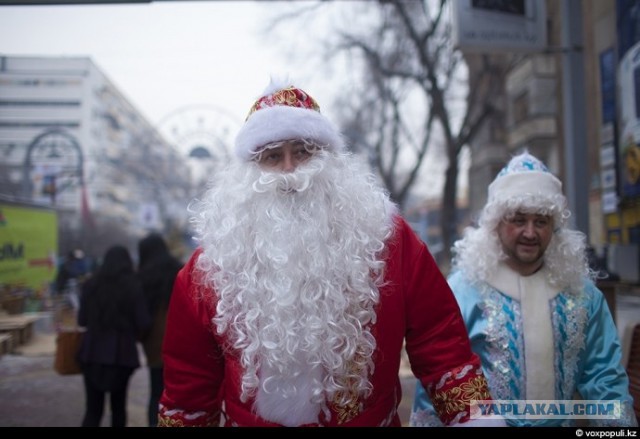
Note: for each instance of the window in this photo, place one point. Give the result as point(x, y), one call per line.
point(521, 108)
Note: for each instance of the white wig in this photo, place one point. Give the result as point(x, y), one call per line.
point(524, 185)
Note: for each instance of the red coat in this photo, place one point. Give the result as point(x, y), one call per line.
point(416, 306)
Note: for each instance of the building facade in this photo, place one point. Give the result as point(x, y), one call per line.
point(533, 114)
point(69, 139)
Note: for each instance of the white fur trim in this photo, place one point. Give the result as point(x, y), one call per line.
point(277, 82)
point(524, 183)
point(534, 294)
point(290, 410)
point(279, 123)
point(538, 335)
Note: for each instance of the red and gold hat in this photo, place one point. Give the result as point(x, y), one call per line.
point(285, 112)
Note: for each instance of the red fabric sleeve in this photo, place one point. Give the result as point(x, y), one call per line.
point(193, 360)
point(436, 338)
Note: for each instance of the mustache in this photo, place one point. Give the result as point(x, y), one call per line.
point(299, 180)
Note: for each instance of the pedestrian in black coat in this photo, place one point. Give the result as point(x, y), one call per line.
point(114, 313)
point(157, 272)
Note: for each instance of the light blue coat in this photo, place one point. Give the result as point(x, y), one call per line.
point(586, 354)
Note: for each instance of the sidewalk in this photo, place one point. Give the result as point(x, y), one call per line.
point(32, 394)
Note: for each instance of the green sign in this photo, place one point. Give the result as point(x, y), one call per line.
point(28, 246)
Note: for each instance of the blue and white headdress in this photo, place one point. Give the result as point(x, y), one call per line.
point(527, 184)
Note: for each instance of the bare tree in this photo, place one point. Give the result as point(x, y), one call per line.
point(414, 93)
point(379, 125)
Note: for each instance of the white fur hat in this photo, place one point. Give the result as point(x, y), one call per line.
point(285, 112)
point(527, 182)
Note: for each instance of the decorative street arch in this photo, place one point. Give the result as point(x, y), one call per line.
point(53, 163)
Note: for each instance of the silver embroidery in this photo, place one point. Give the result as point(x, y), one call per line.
point(504, 337)
point(569, 317)
point(425, 418)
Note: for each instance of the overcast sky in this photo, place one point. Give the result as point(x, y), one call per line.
point(169, 55)
point(164, 55)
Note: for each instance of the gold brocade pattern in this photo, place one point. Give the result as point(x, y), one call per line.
point(166, 421)
point(346, 412)
point(346, 404)
point(179, 418)
point(456, 399)
point(285, 96)
point(290, 97)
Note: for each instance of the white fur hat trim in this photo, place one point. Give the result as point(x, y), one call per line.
point(518, 185)
point(277, 123)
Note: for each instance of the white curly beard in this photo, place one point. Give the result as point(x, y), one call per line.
point(296, 261)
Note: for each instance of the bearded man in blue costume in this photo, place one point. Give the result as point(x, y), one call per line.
point(541, 327)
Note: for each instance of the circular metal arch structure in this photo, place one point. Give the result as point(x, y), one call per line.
point(200, 131)
point(203, 134)
point(59, 151)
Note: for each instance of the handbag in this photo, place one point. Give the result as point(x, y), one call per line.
point(67, 347)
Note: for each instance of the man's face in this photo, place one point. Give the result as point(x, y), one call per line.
point(524, 238)
point(285, 158)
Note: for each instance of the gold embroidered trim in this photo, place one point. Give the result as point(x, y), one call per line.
point(166, 421)
point(456, 399)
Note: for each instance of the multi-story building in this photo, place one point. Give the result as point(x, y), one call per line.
point(70, 139)
point(600, 168)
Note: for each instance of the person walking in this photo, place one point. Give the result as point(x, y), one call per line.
point(534, 315)
point(294, 309)
point(114, 313)
point(71, 273)
point(157, 270)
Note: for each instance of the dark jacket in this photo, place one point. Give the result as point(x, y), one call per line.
point(157, 272)
point(113, 310)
